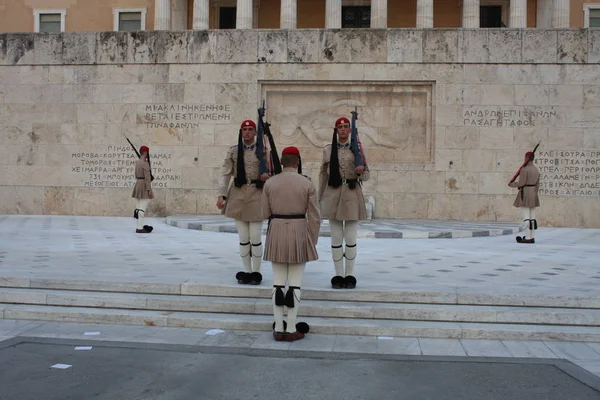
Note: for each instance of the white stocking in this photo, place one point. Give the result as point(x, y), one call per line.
point(350, 233)
point(295, 274)
point(532, 216)
point(526, 216)
point(337, 252)
point(244, 235)
point(280, 275)
point(141, 206)
point(255, 229)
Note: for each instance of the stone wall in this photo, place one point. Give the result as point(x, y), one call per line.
point(445, 115)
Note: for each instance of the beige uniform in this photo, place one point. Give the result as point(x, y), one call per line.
point(242, 203)
point(341, 203)
point(529, 186)
point(143, 182)
point(291, 241)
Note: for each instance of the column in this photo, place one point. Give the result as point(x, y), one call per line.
point(543, 14)
point(424, 13)
point(518, 14)
point(200, 14)
point(288, 14)
point(470, 14)
point(162, 15)
point(378, 13)
point(333, 14)
point(244, 13)
point(560, 14)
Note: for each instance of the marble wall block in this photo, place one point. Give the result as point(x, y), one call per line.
point(141, 48)
point(237, 47)
point(47, 49)
point(157, 208)
point(531, 95)
point(303, 46)
point(411, 206)
point(22, 200)
point(504, 45)
point(593, 56)
point(58, 200)
point(112, 47)
point(473, 46)
point(440, 46)
point(182, 201)
point(540, 46)
point(272, 46)
point(3, 47)
point(19, 48)
point(367, 46)
point(80, 48)
point(333, 46)
point(203, 47)
point(572, 46)
point(405, 46)
point(172, 47)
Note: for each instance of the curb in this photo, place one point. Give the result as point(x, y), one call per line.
point(362, 233)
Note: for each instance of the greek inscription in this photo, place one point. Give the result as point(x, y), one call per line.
point(114, 167)
point(569, 173)
point(508, 117)
point(182, 116)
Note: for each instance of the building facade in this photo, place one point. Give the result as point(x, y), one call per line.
point(90, 15)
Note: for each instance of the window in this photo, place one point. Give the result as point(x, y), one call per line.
point(227, 16)
point(490, 17)
point(49, 20)
point(591, 14)
point(356, 16)
point(129, 19)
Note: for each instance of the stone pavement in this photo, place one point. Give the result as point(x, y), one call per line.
point(376, 228)
point(334, 347)
point(563, 262)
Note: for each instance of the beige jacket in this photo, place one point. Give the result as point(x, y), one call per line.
point(143, 182)
point(529, 186)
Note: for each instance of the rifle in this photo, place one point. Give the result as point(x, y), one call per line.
point(355, 144)
point(137, 153)
point(264, 129)
point(525, 163)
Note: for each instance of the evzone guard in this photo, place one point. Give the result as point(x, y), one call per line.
point(290, 203)
point(527, 198)
point(142, 190)
point(247, 163)
point(343, 170)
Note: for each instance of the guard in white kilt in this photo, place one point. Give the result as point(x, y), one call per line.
point(342, 201)
point(527, 199)
point(142, 190)
point(241, 200)
point(289, 200)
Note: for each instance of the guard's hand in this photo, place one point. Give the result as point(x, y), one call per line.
point(359, 170)
point(513, 184)
point(150, 194)
point(264, 177)
point(220, 203)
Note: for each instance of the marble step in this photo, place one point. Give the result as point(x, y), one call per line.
point(264, 291)
point(331, 326)
point(310, 308)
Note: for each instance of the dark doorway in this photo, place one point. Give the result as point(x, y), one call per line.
point(227, 17)
point(490, 17)
point(356, 17)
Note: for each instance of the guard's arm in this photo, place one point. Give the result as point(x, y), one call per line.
point(226, 173)
point(314, 214)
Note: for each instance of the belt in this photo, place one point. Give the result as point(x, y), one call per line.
point(139, 178)
point(288, 216)
point(522, 192)
point(248, 182)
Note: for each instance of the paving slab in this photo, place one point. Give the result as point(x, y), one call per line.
point(375, 228)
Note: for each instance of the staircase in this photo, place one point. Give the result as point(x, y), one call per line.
point(345, 312)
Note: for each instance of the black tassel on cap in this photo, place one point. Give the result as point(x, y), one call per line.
point(335, 178)
point(241, 168)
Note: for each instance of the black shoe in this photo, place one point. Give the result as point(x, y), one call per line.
point(255, 278)
point(528, 241)
point(243, 278)
point(148, 228)
point(350, 282)
point(338, 282)
point(519, 239)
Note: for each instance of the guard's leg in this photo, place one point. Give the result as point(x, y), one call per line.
point(350, 234)
point(278, 297)
point(244, 235)
point(257, 251)
point(292, 299)
point(142, 204)
point(533, 226)
point(525, 217)
point(337, 252)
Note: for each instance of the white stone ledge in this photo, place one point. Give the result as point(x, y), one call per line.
point(437, 46)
